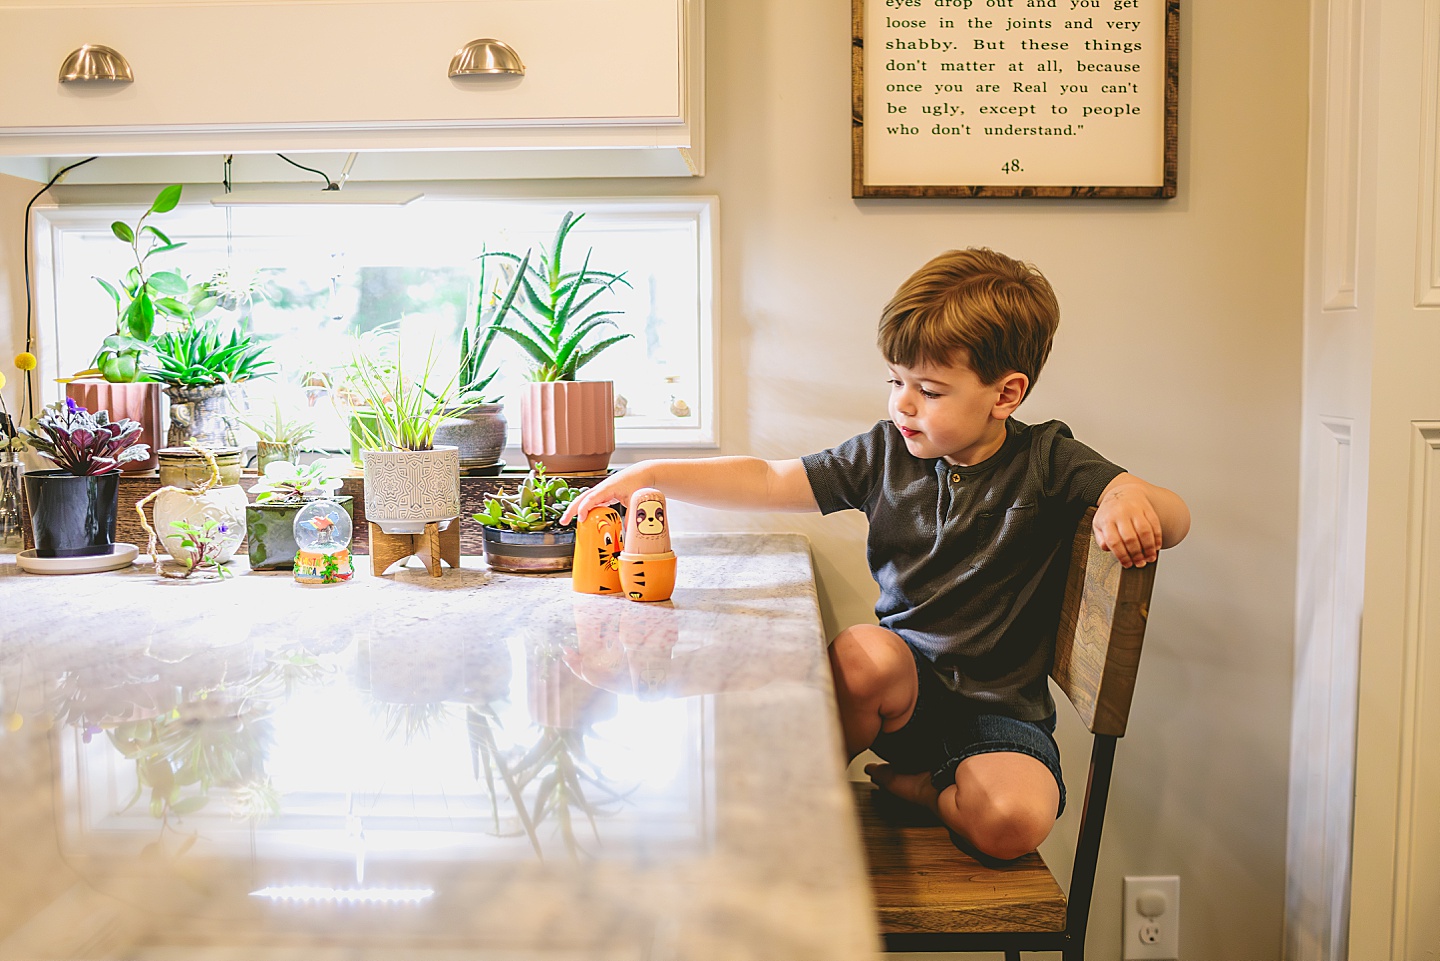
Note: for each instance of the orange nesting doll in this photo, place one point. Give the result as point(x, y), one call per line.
point(647, 565)
point(597, 553)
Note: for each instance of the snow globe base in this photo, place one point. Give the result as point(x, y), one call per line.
point(316, 567)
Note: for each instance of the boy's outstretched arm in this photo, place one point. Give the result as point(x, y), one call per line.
point(1135, 519)
point(734, 483)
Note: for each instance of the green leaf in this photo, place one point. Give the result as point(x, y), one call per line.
point(114, 294)
point(123, 231)
point(160, 236)
point(169, 283)
point(190, 805)
point(166, 200)
point(172, 307)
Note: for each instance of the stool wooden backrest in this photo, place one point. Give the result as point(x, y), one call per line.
point(932, 897)
point(1102, 625)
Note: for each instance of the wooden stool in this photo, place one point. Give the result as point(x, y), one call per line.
point(432, 546)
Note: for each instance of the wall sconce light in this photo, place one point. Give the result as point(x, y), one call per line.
point(94, 61)
point(486, 56)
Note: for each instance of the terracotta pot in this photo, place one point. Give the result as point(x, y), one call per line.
point(138, 402)
point(568, 425)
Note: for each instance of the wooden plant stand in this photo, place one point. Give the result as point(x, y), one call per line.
point(431, 545)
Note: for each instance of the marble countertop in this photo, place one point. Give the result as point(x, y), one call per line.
point(479, 765)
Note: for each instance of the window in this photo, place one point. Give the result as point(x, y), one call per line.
point(313, 281)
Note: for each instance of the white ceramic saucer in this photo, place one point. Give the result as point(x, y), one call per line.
point(123, 556)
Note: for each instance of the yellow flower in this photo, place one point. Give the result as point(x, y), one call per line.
point(26, 360)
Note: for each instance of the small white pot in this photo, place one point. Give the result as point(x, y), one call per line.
point(225, 505)
point(407, 489)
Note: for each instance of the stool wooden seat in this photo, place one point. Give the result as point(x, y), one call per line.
point(923, 883)
point(929, 895)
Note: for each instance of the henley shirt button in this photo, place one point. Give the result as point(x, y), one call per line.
point(955, 478)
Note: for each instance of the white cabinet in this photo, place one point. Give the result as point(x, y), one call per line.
point(245, 77)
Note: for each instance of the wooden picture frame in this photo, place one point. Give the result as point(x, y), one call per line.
point(937, 60)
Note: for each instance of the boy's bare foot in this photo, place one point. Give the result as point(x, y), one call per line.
point(915, 788)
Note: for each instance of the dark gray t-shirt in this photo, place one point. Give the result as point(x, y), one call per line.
point(970, 560)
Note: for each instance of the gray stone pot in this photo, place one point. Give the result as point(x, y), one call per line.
point(479, 433)
point(270, 530)
point(529, 553)
point(204, 414)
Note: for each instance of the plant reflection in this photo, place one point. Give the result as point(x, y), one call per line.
point(192, 727)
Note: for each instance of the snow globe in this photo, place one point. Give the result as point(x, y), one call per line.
point(322, 539)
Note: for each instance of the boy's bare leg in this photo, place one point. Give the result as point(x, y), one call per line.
point(1003, 803)
point(875, 683)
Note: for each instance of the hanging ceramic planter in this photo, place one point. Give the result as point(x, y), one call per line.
point(224, 503)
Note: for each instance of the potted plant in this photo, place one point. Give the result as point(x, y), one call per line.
point(72, 507)
point(479, 428)
point(522, 530)
point(278, 437)
point(409, 481)
point(117, 382)
point(566, 423)
point(281, 492)
point(199, 367)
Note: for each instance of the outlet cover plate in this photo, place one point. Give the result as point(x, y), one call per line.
point(1151, 938)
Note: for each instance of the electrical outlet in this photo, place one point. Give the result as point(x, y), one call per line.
point(1152, 919)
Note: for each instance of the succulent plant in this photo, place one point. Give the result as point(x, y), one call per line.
point(287, 483)
point(84, 443)
point(536, 505)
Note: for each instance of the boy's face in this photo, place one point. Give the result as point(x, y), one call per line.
point(943, 410)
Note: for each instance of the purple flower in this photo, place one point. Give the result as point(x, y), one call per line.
point(223, 529)
point(73, 407)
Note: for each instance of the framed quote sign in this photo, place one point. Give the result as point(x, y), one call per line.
point(1014, 98)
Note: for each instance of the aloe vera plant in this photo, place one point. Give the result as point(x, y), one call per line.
point(198, 356)
point(553, 326)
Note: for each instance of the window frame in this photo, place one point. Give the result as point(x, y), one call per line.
point(91, 209)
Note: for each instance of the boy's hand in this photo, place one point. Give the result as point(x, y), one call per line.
point(1127, 525)
point(615, 489)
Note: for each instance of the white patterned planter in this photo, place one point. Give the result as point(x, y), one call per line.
point(407, 489)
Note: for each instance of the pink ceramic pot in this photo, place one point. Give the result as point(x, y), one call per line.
point(138, 402)
point(568, 425)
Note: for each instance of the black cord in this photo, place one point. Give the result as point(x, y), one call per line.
point(25, 245)
point(329, 184)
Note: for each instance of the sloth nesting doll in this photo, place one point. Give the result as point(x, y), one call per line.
point(647, 565)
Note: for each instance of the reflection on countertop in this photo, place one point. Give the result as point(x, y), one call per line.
point(416, 767)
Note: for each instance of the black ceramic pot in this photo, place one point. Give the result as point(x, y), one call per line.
point(72, 516)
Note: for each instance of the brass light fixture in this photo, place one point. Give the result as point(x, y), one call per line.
point(94, 61)
point(486, 57)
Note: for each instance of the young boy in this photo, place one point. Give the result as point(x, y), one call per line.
point(971, 516)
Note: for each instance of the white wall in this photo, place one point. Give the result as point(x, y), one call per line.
point(1178, 356)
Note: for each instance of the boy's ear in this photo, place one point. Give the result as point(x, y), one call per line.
point(1012, 390)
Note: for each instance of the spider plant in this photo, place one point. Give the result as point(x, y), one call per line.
point(406, 411)
point(552, 326)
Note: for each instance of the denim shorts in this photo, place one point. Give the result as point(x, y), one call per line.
point(944, 730)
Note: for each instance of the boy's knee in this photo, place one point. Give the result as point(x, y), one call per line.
point(866, 662)
point(1008, 827)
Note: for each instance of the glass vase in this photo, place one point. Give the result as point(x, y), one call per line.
point(11, 523)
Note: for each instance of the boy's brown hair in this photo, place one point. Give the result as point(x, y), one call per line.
point(1002, 312)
